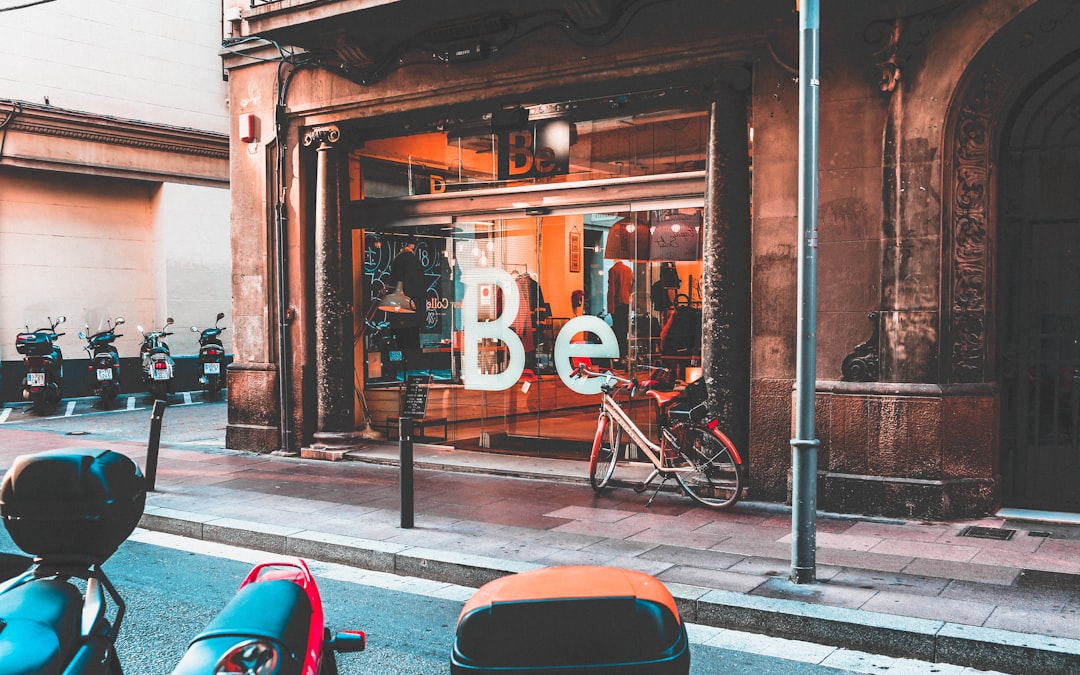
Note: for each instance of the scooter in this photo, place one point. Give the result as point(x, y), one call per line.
point(44, 363)
point(71, 509)
point(104, 361)
point(211, 356)
point(157, 362)
point(274, 625)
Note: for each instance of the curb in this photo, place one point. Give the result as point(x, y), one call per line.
point(874, 632)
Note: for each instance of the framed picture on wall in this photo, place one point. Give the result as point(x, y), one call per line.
point(575, 250)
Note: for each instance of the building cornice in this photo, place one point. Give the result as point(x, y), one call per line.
point(39, 136)
point(49, 121)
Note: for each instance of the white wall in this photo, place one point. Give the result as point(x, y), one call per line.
point(95, 248)
point(135, 59)
point(197, 279)
point(84, 251)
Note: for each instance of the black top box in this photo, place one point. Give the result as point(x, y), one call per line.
point(33, 344)
point(571, 620)
point(73, 502)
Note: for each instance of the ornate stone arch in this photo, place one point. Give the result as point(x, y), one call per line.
point(995, 77)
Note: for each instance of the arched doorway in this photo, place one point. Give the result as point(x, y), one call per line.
point(1007, 134)
point(1039, 293)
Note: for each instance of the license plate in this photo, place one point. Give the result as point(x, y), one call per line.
point(104, 374)
point(35, 379)
point(211, 368)
point(162, 374)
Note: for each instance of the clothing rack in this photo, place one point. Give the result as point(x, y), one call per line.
point(518, 268)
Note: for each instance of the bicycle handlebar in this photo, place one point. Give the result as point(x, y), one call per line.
point(629, 382)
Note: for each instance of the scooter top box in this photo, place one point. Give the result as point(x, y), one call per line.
point(576, 619)
point(33, 344)
point(73, 502)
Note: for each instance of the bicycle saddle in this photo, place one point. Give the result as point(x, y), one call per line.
point(664, 398)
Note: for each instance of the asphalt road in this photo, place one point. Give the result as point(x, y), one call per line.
point(174, 586)
point(188, 418)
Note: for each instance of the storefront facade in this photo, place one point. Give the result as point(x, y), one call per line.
point(649, 148)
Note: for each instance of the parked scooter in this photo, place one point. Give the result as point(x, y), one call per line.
point(44, 363)
point(157, 362)
point(104, 361)
point(71, 509)
point(211, 358)
point(274, 625)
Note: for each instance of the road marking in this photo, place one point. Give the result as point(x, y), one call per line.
point(795, 651)
point(131, 403)
point(187, 398)
point(4, 414)
point(70, 408)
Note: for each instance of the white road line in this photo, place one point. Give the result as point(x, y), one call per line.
point(70, 408)
point(4, 415)
point(131, 403)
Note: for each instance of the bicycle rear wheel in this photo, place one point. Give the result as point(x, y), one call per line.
point(605, 452)
point(716, 480)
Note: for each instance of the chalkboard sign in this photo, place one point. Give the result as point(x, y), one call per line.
point(415, 404)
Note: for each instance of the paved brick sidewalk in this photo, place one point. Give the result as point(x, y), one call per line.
point(912, 589)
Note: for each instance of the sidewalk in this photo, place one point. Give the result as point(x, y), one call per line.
point(917, 590)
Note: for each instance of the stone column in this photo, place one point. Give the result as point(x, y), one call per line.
point(725, 315)
point(333, 320)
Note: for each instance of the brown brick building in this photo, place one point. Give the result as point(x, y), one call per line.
point(532, 149)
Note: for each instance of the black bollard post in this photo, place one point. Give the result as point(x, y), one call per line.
point(152, 446)
point(405, 446)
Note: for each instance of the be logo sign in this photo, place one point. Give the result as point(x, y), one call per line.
point(474, 331)
point(540, 151)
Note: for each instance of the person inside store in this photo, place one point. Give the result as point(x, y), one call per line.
point(620, 287)
point(407, 269)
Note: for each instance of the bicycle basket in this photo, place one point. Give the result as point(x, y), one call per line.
point(693, 405)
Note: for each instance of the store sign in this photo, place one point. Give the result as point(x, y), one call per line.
point(539, 151)
point(476, 332)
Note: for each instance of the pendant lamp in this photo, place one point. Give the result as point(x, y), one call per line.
point(676, 237)
point(627, 240)
point(397, 302)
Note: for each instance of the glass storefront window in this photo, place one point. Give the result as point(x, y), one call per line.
point(513, 295)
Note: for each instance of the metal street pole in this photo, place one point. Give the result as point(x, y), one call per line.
point(804, 445)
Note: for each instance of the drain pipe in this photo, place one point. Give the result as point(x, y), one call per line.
point(804, 446)
point(281, 263)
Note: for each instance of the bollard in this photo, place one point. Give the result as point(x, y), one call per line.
point(405, 448)
point(152, 447)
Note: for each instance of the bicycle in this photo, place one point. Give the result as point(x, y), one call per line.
point(692, 449)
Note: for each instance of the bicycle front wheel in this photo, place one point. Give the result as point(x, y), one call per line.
point(605, 452)
point(715, 480)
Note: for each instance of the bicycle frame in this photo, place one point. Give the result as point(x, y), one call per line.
point(652, 450)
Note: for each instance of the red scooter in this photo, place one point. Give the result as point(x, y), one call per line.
point(274, 625)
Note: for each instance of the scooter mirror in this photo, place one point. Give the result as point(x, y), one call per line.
point(139, 328)
point(220, 316)
point(82, 335)
point(119, 320)
point(60, 319)
point(169, 321)
point(194, 329)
